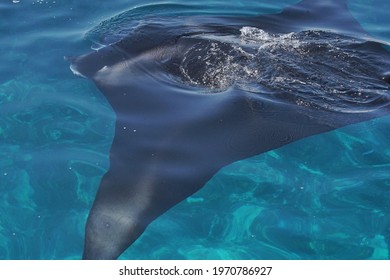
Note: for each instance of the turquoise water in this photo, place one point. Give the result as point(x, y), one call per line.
point(324, 197)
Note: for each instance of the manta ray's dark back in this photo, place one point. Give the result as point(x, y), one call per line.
point(170, 140)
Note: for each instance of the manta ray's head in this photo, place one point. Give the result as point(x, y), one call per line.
point(88, 65)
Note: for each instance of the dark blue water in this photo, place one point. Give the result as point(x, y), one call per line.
point(324, 197)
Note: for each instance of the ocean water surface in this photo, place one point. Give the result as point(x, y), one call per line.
point(324, 197)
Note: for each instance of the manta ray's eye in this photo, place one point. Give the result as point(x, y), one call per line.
point(386, 77)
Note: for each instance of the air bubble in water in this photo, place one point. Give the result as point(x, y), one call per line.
point(15, 1)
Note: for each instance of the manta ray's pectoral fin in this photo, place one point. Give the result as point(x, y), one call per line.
point(309, 14)
point(114, 221)
point(132, 194)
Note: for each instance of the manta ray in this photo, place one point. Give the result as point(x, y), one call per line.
point(234, 87)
